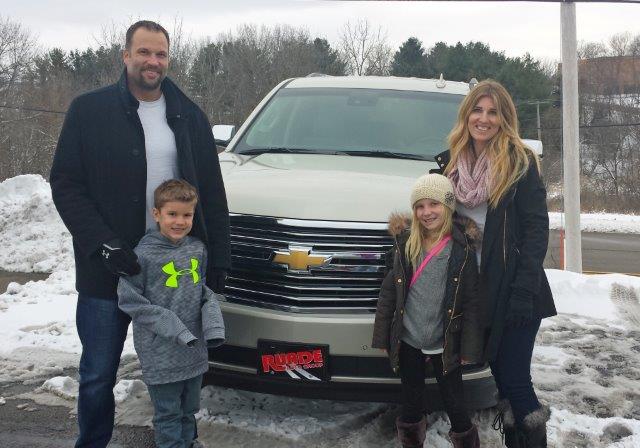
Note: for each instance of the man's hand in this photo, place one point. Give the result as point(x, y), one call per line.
point(119, 258)
point(216, 279)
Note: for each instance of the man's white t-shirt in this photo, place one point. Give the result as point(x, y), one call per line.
point(160, 147)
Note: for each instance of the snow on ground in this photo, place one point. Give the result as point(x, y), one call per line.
point(586, 362)
point(586, 366)
point(600, 222)
point(63, 386)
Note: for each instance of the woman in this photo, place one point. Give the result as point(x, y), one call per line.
point(497, 183)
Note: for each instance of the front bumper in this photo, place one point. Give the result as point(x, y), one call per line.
point(357, 371)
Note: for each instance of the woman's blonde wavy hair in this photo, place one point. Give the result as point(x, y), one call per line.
point(508, 156)
point(418, 233)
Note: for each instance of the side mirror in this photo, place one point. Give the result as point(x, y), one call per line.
point(534, 145)
point(223, 133)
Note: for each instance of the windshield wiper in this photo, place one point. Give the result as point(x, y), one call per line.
point(277, 150)
point(366, 153)
point(385, 154)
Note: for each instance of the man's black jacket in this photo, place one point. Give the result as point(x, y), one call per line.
point(99, 176)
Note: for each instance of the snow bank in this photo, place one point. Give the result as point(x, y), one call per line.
point(42, 314)
point(600, 222)
point(588, 295)
point(32, 235)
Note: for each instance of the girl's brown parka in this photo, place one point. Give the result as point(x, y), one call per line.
point(463, 329)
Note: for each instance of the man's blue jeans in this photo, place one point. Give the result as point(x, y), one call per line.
point(174, 407)
point(512, 369)
point(102, 328)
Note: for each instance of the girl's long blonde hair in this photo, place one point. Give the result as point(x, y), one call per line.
point(418, 233)
point(508, 156)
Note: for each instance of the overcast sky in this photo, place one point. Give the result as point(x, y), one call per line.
point(512, 27)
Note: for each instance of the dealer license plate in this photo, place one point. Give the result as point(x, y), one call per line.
point(293, 361)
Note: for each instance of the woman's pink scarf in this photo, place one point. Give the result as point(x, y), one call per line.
point(471, 181)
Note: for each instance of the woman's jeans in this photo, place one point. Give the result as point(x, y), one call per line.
point(512, 369)
point(174, 407)
point(102, 329)
point(412, 374)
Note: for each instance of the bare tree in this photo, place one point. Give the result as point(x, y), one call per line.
point(17, 47)
point(232, 74)
point(365, 49)
point(620, 44)
point(16, 50)
point(590, 50)
point(610, 137)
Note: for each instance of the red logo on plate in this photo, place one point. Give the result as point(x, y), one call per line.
point(280, 362)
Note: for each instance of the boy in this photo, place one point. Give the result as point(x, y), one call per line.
point(175, 316)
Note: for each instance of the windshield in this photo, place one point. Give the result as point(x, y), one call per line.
point(340, 119)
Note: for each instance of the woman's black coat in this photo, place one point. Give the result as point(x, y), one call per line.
point(516, 236)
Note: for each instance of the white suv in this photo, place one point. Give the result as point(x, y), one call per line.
point(311, 178)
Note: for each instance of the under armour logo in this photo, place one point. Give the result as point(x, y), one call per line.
point(105, 254)
point(170, 269)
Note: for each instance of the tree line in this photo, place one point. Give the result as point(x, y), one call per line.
point(227, 77)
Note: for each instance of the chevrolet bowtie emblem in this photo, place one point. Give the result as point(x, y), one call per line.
point(299, 258)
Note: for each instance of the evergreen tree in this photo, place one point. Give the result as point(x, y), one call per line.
point(409, 60)
point(523, 77)
point(327, 59)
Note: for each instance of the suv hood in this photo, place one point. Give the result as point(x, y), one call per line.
point(319, 187)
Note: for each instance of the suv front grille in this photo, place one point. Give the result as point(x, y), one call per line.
point(352, 257)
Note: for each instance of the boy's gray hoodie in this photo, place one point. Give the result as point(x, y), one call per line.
point(174, 314)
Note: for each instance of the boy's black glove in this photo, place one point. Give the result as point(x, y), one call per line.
point(216, 279)
point(119, 258)
point(520, 310)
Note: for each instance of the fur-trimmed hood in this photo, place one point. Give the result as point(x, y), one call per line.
point(401, 222)
point(398, 223)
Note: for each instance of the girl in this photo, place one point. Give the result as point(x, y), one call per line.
point(497, 184)
point(427, 310)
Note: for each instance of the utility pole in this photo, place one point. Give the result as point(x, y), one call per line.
point(570, 137)
point(538, 120)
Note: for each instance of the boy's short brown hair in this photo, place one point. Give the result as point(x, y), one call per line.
point(177, 190)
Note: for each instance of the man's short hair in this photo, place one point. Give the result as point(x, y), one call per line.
point(148, 25)
point(174, 190)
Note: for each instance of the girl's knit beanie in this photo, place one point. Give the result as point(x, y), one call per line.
point(434, 186)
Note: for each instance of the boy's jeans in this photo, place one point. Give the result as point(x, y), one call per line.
point(102, 329)
point(174, 406)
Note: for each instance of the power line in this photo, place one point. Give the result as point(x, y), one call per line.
point(587, 126)
point(33, 109)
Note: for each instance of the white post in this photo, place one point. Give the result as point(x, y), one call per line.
point(538, 120)
point(570, 138)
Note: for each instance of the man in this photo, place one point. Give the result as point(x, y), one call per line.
point(117, 144)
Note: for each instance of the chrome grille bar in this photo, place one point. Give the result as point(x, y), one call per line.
point(348, 282)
